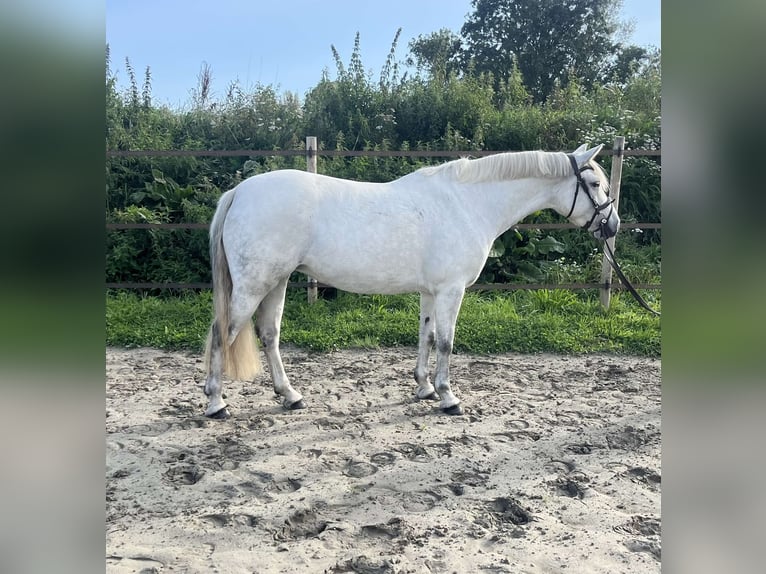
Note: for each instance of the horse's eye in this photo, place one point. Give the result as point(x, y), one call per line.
point(595, 184)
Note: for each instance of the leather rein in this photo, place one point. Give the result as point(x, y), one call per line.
point(608, 253)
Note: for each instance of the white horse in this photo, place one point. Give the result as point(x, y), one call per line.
point(428, 232)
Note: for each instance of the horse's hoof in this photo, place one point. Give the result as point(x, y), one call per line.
point(221, 415)
point(299, 404)
point(432, 397)
point(453, 410)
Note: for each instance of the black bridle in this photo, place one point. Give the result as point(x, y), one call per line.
point(597, 208)
point(608, 253)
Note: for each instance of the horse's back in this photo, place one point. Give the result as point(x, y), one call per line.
point(358, 236)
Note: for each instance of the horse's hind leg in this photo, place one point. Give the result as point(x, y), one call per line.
point(426, 338)
point(267, 327)
point(241, 308)
point(213, 384)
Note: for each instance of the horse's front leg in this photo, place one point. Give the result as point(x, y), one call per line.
point(426, 338)
point(447, 307)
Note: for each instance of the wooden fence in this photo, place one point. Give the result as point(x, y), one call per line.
point(605, 285)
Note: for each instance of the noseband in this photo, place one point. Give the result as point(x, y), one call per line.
point(597, 208)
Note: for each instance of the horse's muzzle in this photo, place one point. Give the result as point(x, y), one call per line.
point(607, 227)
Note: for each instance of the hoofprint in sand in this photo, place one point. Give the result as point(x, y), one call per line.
point(555, 467)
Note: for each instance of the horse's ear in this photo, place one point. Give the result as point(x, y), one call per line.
point(583, 157)
point(582, 148)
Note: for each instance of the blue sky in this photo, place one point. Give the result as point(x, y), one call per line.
point(286, 44)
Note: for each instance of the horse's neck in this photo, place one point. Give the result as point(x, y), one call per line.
point(503, 204)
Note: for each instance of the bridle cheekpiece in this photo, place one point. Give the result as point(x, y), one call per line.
point(597, 208)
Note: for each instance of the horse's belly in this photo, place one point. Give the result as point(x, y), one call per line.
point(369, 276)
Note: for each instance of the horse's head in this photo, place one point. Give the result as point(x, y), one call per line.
point(591, 207)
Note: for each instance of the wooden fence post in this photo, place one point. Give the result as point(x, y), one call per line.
point(311, 167)
point(614, 185)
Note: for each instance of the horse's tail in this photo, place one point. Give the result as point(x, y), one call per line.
point(240, 359)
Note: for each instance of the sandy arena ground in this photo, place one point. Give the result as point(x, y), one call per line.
point(554, 468)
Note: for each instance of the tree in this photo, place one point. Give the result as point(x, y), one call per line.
point(438, 53)
point(631, 61)
point(550, 39)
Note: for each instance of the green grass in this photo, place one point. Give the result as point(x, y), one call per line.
point(555, 321)
point(177, 323)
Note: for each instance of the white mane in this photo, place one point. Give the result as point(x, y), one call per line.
point(502, 166)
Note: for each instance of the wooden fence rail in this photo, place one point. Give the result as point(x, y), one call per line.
point(475, 287)
point(340, 153)
point(311, 152)
point(521, 226)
